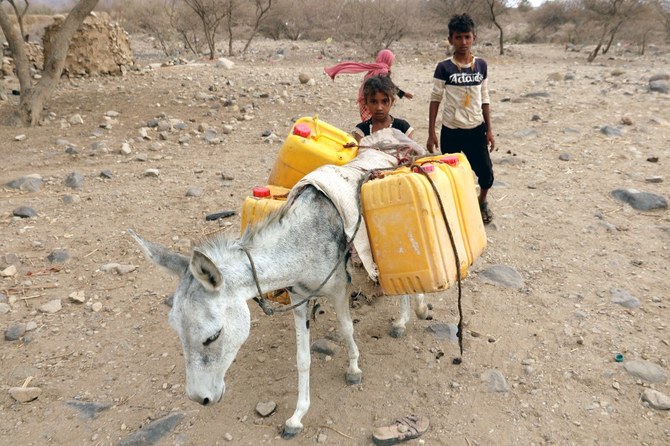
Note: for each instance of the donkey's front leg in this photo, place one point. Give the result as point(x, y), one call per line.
point(293, 425)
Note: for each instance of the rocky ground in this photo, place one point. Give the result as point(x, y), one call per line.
point(566, 338)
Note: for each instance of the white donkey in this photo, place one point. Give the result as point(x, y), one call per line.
point(296, 248)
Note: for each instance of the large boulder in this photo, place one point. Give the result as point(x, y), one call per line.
point(98, 47)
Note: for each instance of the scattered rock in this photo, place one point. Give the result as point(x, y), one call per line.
point(74, 180)
point(495, 381)
point(24, 212)
point(29, 183)
point(624, 298)
point(325, 346)
point(14, 332)
point(640, 201)
point(611, 130)
point(502, 275)
point(646, 370)
point(265, 409)
point(25, 394)
point(51, 307)
point(10, 271)
point(58, 256)
point(444, 331)
point(656, 399)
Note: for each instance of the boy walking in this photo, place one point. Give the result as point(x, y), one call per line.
point(466, 117)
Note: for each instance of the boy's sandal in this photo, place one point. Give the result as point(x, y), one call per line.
point(487, 214)
point(404, 429)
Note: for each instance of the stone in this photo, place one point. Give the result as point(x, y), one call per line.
point(51, 307)
point(58, 256)
point(25, 394)
point(646, 370)
point(265, 409)
point(224, 63)
point(78, 297)
point(495, 381)
point(74, 180)
point(640, 201)
point(501, 275)
point(88, 410)
point(444, 331)
point(10, 271)
point(624, 298)
point(325, 347)
point(656, 399)
point(304, 78)
point(29, 183)
point(14, 332)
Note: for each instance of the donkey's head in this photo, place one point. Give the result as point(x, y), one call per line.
point(211, 321)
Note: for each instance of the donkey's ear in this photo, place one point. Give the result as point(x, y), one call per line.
point(204, 269)
point(173, 262)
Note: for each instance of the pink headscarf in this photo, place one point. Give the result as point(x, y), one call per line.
point(381, 67)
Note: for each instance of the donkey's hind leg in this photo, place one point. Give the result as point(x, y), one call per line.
point(340, 301)
point(398, 329)
point(420, 309)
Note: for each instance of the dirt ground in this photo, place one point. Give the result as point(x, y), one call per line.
point(554, 339)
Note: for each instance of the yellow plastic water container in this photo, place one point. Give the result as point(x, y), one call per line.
point(458, 169)
point(311, 144)
point(263, 201)
point(408, 235)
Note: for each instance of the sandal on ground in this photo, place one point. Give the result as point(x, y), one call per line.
point(404, 429)
point(487, 215)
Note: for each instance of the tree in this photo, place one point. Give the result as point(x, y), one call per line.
point(497, 7)
point(391, 23)
point(611, 15)
point(211, 13)
point(34, 96)
point(262, 8)
point(20, 15)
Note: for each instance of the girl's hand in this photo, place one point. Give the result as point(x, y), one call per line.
point(409, 95)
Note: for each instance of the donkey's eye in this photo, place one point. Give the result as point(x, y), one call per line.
point(212, 338)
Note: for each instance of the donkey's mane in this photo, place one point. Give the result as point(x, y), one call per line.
point(225, 242)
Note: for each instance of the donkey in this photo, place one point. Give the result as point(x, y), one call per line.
point(296, 248)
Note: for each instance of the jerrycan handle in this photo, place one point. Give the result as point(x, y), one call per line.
point(428, 168)
point(316, 126)
point(452, 160)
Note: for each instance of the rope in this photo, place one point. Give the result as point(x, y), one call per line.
point(459, 333)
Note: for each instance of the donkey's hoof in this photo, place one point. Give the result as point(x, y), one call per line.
point(353, 378)
point(289, 432)
point(397, 332)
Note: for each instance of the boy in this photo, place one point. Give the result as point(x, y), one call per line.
point(466, 118)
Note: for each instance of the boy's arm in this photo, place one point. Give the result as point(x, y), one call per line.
point(490, 139)
point(432, 143)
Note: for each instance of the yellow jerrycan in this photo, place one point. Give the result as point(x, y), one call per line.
point(311, 143)
point(263, 201)
point(460, 174)
point(408, 236)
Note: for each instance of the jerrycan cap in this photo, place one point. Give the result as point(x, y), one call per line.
point(451, 160)
point(261, 192)
point(302, 130)
point(428, 168)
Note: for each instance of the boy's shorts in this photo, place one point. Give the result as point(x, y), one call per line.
point(473, 144)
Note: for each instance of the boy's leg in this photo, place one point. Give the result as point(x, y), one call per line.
point(478, 155)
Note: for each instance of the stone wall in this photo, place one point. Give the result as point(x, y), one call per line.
point(98, 47)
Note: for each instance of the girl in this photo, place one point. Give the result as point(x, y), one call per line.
point(378, 97)
point(381, 67)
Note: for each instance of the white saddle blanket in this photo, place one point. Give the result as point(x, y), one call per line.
point(340, 185)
